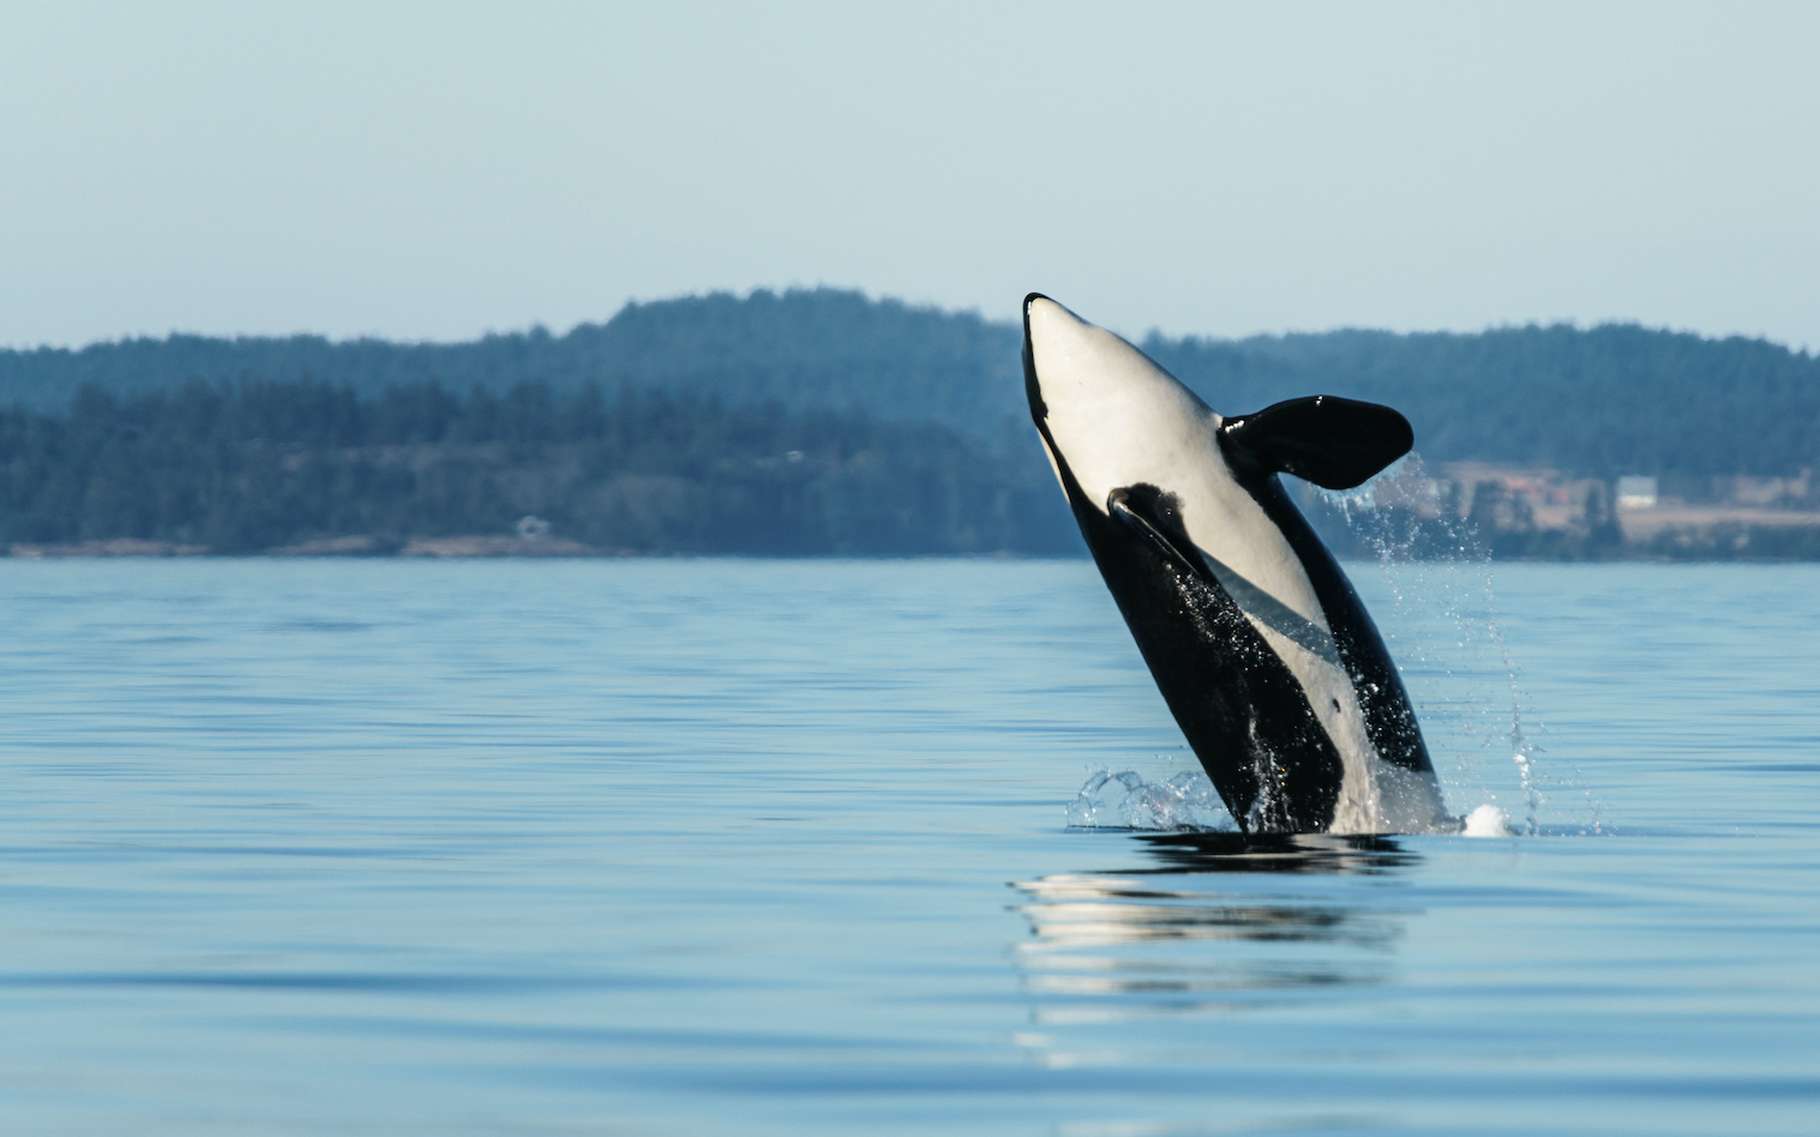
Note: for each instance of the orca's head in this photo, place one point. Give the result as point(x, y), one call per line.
point(1109, 416)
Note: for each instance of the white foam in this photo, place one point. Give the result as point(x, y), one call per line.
point(1487, 821)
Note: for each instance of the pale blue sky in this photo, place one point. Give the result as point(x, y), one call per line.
point(437, 170)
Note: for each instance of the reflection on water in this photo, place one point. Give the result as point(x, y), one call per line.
point(1210, 923)
point(1308, 853)
point(712, 848)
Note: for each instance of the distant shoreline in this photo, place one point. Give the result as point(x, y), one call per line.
point(481, 548)
point(822, 423)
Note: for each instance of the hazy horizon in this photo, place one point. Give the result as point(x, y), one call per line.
point(432, 173)
point(1008, 320)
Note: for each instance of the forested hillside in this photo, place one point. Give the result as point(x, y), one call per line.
point(1599, 402)
point(260, 466)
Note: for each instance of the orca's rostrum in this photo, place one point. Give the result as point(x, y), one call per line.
point(1254, 635)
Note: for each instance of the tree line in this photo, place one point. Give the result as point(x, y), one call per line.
point(255, 466)
point(1595, 402)
point(259, 465)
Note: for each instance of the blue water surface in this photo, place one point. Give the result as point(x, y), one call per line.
point(688, 848)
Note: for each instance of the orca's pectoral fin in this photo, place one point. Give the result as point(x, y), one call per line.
point(1152, 515)
point(1333, 442)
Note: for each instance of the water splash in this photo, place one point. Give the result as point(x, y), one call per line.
point(1184, 801)
point(1426, 551)
point(1522, 751)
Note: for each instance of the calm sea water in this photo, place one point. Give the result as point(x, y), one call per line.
point(756, 847)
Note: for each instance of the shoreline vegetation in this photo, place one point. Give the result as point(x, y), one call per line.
point(822, 423)
point(476, 548)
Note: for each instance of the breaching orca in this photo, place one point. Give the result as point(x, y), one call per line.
point(1262, 650)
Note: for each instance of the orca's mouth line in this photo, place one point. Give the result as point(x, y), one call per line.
point(1033, 391)
point(1039, 414)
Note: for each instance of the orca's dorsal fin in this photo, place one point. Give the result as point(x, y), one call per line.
point(1333, 442)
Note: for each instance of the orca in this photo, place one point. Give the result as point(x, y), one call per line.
point(1256, 639)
